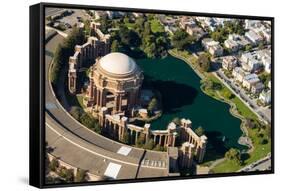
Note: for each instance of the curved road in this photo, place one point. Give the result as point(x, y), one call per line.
point(75, 144)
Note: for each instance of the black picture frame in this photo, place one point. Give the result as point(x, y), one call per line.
point(37, 93)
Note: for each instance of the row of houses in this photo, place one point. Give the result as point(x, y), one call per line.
point(211, 23)
point(249, 81)
point(252, 83)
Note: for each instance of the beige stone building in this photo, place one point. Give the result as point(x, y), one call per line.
point(113, 96)
point(115, 82)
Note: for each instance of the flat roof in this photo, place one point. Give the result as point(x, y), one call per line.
point(124, 150)
point(112, 170)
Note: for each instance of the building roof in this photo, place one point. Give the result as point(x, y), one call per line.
point(118, 63)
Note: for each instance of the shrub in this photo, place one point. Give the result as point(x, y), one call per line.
point(54, 164)
point(81, 176)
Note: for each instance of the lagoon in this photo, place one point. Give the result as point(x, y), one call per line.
point(182, 97)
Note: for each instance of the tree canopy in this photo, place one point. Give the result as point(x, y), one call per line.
point(234, 155)
point(181, 39)
point(199, 131)
point(204, 62)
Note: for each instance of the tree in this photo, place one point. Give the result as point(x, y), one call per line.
point(216, 86)
point(76, 112)
point(49, 18)
point(140, 140)
point(234, 155)
point(158, 147)
point(180, 39)
point(63, 51)
point(204, 62)
point(177, 121)
point(150, 50)
point(87, 24)
point(263, 141)
point(129, 37)
point(200, 131)
point(67, 174)
point(88, 121)
point(149, 144)
point(250, 123)
point(126, 138)
point(248, 47)
point(54, 164)
point(81, 175)
point(228, 95)
point(139, 25)
point(147, 29)
point(97, 127)
point(57, 64)
point(265, 78)
point(152, 105)
point(115, 46)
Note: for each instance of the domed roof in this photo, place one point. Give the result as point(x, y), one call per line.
point(117, 63)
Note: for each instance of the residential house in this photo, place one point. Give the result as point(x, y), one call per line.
point(253, 37)
point(213, 47)
point(238, 74)
point(190, 26)
point(216, 50)
point(229, 62)
point(231, 45)
point(265, 97)
point(250, 80)
point(265, 58)
point(235, 42)
point(250, 61)
point(257, 88)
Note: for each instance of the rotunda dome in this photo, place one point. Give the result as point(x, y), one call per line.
point(117, 63)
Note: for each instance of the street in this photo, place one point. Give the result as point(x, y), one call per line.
point(262, 112)
point(260, 165)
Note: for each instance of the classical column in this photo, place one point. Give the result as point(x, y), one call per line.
point(123, 132)
point(94, 94)
point(114, 130)
point(131, 136)
point(154, 139)
point(116, 102)
point(120, 103)
point(98, 97)
point(136, 139)
point(101, 98)
point(165, 141)
point(174, 140)
point(146, 137)
point(160, 139)
point(119, 132)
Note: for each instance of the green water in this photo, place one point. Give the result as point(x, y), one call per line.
point(182, 97)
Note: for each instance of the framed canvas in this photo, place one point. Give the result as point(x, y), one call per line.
point(122, 95)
